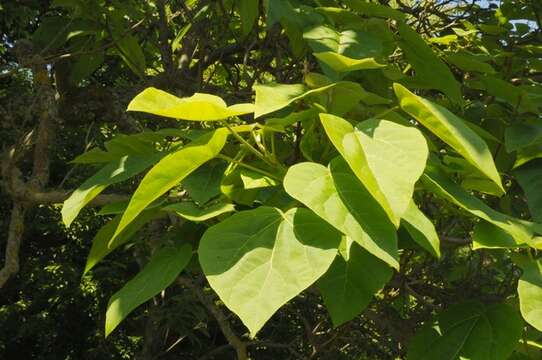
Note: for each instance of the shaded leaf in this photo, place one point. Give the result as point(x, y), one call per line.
point(161, 270)
point(249, 11)
point(204, 184)
point(427, 64)
point(349, 285)
point(437, 182)
point(529, 176)
point(102, 244)
point(469, 330)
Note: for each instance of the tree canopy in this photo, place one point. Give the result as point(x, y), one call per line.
point(271, 179)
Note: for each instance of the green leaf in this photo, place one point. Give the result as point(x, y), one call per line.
point(341, 97)
point(232, 186)
point(530, 290)
point(280, 124)
point(204, 184)
point(452, 130)
point(161, 270)
point(273, 97)
point(131, 53)
point(378, 150)
point(468, 62)
point(437, 182)
point(198, 107)
point(421, 229)
point(257, 260)
point(112, 173)
point(528, 154)
point(522, 135)
point(169, 171)
point(255, 180)
point(529, 177)
point(355, 44)
point(120, 207)
point(341, 63)
point(85, 65)
point(376, 10)
point(249, 11)
point(102, 244)
point(338, 197)
point(141, 145)
point(469, 330)
point(176, 43)
point(192, 212)
point(349, 285)
point(515, 96)
point(490, 236)
point(430, 69)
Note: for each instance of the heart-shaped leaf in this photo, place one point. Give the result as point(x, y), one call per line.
point(257, 260)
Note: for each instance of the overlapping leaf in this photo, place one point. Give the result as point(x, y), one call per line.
point(378, 150)
point(102, 244)
point(116, 171)
point(437, 182)
point(338, 197)
point(192, 212)
point(349, 284)
point(452, 130)
point(257, 260)
point(430, 69)
point(169, 171)
point(530, 290)
point(421, 229)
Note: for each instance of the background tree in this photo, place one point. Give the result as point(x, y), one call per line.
point(375, 188)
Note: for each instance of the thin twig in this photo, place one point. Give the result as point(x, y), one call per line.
point(235, 342)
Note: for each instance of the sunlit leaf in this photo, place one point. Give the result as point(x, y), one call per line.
point(169, 171)
point(451, 129)
point(257, 260)
point(198, 107)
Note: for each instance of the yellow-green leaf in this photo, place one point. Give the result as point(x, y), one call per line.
point(452, 130)
point(421, 229)
point(169, 171)
point(341, 63)
point(116, 171)
point(338, 197)
point(198, 107)
point(378, 151)
point(257, 260)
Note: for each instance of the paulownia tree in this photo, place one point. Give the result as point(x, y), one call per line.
point(385, 157)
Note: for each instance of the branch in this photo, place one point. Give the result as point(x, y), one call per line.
point(234, 341)
point(59, 196)
point(163, 36)
point(455, 240)
point(15, 235)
